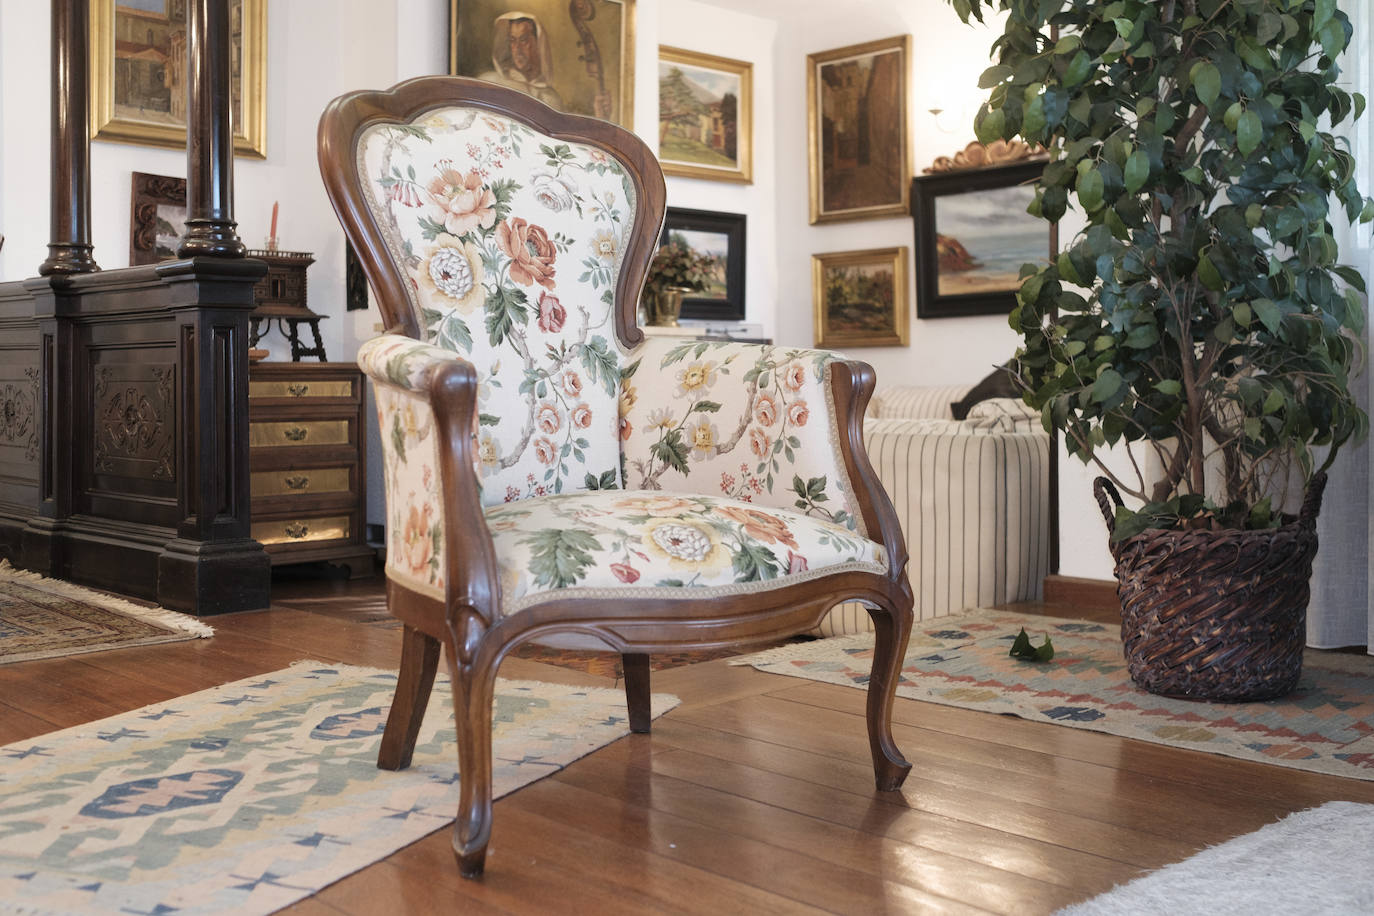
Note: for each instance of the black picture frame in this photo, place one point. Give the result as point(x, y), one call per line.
point(730, 306)
point(993, 285)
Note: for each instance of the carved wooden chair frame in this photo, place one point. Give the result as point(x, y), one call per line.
point(467, 622)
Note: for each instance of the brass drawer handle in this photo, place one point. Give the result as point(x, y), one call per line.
point(295, 433)
point(297, 390)
point(297, 482)
point(297, 530)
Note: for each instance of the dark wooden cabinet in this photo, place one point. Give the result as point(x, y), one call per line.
point(306, 464)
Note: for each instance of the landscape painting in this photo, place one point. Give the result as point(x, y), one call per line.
point(973, 234)
point(857, 127)
point(704, 118)
point(860, 298)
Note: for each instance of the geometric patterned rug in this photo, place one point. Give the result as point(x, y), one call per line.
point(46, 618)
point(1326, 725)
point(247, 797)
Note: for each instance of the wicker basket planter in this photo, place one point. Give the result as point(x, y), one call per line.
point(1215, 615)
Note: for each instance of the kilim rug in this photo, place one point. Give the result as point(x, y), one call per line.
point(244, 798)
point(1311, 863)
point(1326, 725)
point(45, 618)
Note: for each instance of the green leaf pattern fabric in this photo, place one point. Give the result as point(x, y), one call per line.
point(663, 543)
point(754, 423)
point(511, 242)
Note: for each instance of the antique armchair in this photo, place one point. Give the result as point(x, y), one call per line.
point(549, 470)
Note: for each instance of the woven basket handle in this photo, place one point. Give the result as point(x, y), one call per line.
point(1312, 502)
point(1107, 500)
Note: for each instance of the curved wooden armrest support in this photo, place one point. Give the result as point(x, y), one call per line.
point(852, 383)
point(472, 576)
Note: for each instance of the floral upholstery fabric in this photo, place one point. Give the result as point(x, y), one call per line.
point(414, 517)
point(511, 243)
point(665, 544)
point(753, 423)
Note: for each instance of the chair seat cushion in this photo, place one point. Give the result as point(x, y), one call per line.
point(587, 543)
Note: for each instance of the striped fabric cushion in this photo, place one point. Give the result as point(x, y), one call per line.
point(916, 402)
point(974, 505)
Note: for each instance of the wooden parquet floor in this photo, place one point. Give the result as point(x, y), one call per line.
point(753, 796)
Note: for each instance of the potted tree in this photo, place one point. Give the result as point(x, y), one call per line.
point(1200, 317)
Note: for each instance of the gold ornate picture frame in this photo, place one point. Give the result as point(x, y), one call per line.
point(138, 74)
point(576, 56)
point(858, 134)
point(860, 297)
point(705, 115)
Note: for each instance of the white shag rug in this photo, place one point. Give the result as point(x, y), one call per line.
point(1318, 862)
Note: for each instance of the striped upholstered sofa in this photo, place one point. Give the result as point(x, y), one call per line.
point(973, 497)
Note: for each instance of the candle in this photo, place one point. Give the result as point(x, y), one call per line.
point(273, 233)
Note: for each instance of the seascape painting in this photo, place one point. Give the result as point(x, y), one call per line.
point(981, 242)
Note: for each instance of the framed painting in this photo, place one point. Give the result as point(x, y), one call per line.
point(138, 73)
point(573, 55)
point(860, 298)
point(705, 115)
point(158, 218)
point(972, 236)
point(858, 138)
point(718, 238)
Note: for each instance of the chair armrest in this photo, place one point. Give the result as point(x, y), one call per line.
point(777, 426)
point(437, 539)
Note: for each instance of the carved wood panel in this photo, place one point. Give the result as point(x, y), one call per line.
point(135, 420)
point(19, 413)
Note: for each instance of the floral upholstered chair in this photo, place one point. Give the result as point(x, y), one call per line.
point(548, 470)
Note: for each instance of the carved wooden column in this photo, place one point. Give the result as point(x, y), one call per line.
point(69, 250)
point(210, 225)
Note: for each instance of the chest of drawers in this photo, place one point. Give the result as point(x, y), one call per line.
point(306, 464)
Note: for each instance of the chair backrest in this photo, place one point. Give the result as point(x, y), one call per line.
point(516, 236)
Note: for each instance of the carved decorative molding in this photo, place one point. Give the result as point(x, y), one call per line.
point(134, 421)
point(19, 414)
point(981, 156)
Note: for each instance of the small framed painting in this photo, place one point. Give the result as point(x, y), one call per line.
point(574, 56)
point(972, 236)
point(157, 218)
point(138, 73)
point(860, 298)
point(859, 142)
point(705, 117)
point(718, 240)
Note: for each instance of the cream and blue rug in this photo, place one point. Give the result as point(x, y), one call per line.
point(247, 797)
point(1326, 725)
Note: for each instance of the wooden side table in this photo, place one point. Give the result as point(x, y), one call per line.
point(306, 463)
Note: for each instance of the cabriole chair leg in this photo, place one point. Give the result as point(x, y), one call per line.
point(892, 627)
point(419, 664)
point(473, 689)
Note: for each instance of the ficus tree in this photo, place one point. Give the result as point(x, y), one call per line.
point(1201, 313)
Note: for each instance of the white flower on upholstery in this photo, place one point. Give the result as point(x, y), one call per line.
point(451, 273)
point(545, 451)
point(794, 377)
point(685, 545)
point(604, 245)
point(702, 436)
point(798, 413)
point(488, 452)
point(582, 416)
point(556, 192)
point(661, 418)
point(694, 378)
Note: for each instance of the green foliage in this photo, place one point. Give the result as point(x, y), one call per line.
point(1021, 648)
point(560, 556)
point(1201, 310)
point(678, 264)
